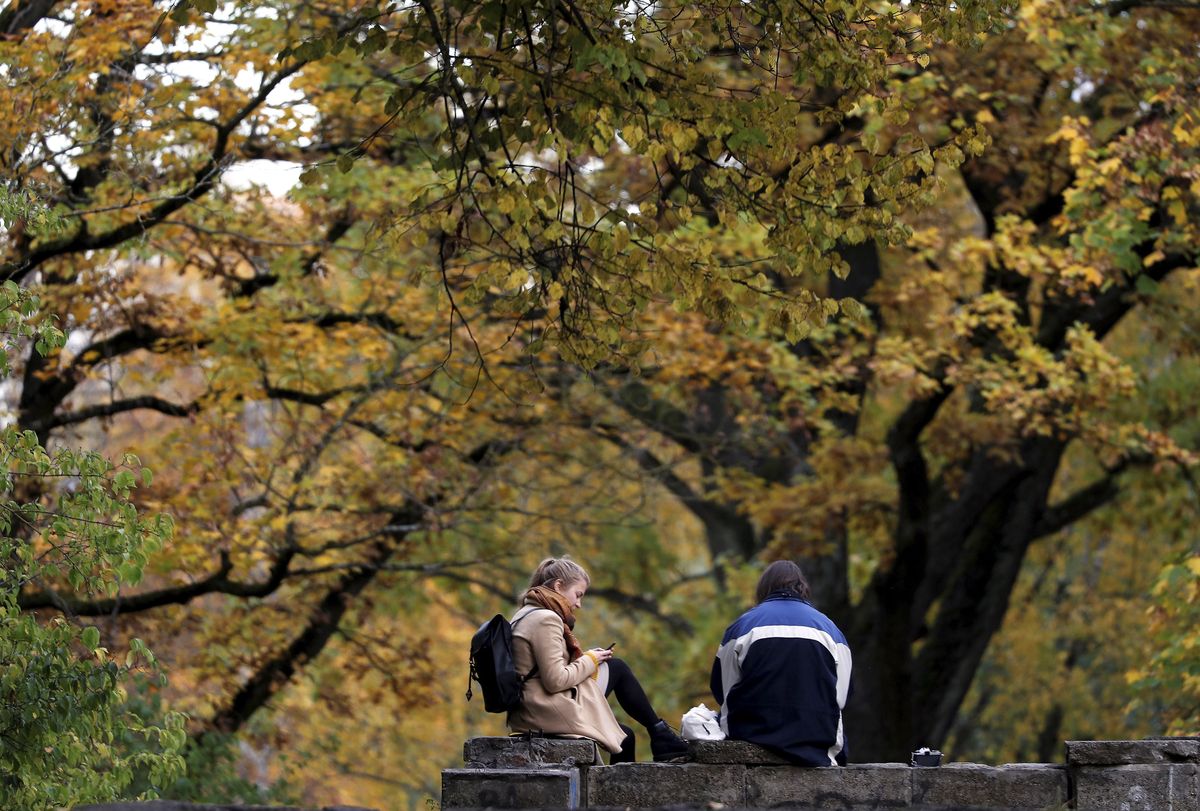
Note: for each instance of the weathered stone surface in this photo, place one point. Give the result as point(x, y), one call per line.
point(733, 752)
point(876, 785)
point(518, 753)
point(539, 774)
point(510, 788)
point(1137, 788)
point(652, 785)
point(1026, 785)
point(1185, 788)
point(1128, 753)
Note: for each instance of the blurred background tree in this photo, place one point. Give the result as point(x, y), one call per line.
point(905, 292)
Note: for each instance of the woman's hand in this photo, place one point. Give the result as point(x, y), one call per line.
point(602, 654)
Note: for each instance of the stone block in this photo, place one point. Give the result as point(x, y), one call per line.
point(863, 786)
point(1142, 787)
point(1185, 788)
point(654, 785)
point(1129, 753)
point(737, 752)
point(510, 788)
point(1015, 786)
point(523, 752)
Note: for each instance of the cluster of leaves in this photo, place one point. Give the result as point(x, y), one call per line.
point(62, 693)
point(1168, 682)
point(549, 131)
point(21, 211)
point(212, 770)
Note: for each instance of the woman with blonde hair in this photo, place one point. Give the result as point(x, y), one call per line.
point(566, 687)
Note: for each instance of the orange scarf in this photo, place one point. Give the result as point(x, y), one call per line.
point(545, 597)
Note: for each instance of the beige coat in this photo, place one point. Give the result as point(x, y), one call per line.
point(562, 698)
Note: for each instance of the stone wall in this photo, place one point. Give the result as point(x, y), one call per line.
point(1150, 775)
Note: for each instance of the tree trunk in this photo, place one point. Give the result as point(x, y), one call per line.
point(909, 680)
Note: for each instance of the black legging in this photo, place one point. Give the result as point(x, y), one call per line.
point(630, 694)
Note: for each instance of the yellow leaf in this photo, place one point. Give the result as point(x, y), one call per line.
point(1193, 564)
point(1178, 212)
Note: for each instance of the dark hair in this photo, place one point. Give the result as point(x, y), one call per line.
point(785, 576)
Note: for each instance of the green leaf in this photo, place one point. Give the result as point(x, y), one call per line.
point(1146, 286)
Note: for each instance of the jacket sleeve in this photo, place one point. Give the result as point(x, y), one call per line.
point(727, 668)
point(845, 686)
point(714, 682)
point(550, 653)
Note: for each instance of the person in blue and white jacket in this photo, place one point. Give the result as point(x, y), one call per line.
point(782, 673)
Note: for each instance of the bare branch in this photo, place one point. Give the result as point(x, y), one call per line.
point(337, 230)
point(642, 603)
point(652, 465)
point(216, 583)
point(1084, 501)
point(121, 406)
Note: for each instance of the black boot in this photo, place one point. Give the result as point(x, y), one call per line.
point(665, 744)
point(628, 753)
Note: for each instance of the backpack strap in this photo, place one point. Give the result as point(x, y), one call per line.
point(513, 624)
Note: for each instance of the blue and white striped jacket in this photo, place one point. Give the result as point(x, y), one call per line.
point(782, 677)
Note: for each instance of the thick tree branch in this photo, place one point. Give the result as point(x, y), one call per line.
point(1107, 308)
point(651, 464)
point(644, 604)
point(912, 473)
point(43, 390)
point(275, 673)
point(1081, 503)
point(216, 583)
point(337, 229)
point(381, 321)
point(21, 15)
point(121, 406)
point(314, 398)
point(382, 434)
point(726, 530)
point(636, 399)
point(138, 336)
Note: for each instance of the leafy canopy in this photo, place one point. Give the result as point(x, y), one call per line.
point(508, 192)
point(578, 156)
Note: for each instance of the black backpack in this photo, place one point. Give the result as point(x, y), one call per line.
point(492, 666)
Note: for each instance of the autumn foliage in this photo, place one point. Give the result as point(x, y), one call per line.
point(904, 291)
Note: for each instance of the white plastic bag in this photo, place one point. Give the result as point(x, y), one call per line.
point(701, 724)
